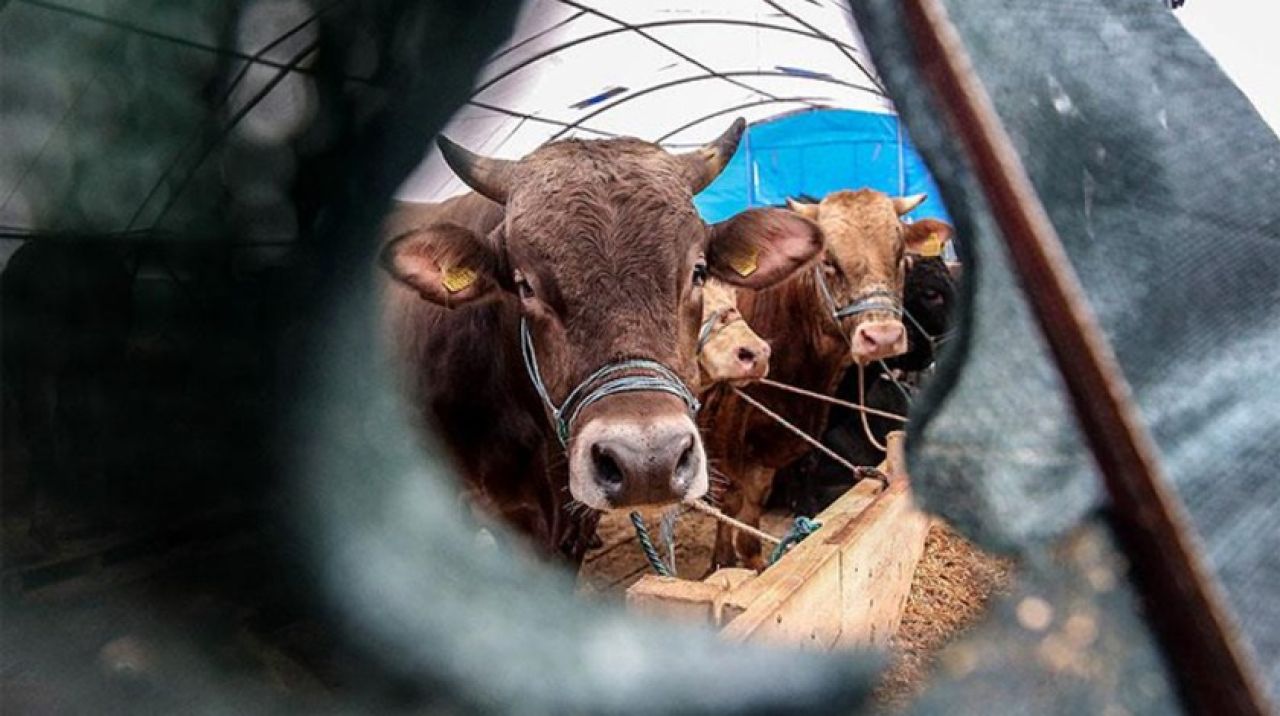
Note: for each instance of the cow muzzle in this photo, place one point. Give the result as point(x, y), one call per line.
point(877, 340)
point(735, 355)
point(630, 458)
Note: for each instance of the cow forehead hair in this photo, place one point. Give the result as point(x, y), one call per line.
point(601, 201)
point(624, 162)
point(863, 220)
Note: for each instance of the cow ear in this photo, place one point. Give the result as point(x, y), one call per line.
point(445, 263)
point(760, 247)
point(928, 237)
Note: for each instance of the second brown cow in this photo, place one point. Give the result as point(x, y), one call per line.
point(845, 311)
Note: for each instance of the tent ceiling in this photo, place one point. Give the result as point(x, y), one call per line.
point(671, 72)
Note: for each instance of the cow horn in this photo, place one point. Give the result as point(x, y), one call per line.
point(489, 177)
point(803, 208)
point(705, 163)
point(903, 204)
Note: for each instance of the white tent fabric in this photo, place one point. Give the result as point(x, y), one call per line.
point(676, 73)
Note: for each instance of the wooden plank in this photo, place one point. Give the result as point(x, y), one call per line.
point(674, 598)
point(797, 611)
point(681, 599)
point(844, 586)
point(732, 578)
point(877, 563)
point(795, 600)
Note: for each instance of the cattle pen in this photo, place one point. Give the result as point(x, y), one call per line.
point(877, 573)
point(845, 585)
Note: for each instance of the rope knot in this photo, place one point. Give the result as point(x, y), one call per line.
point(801, 528)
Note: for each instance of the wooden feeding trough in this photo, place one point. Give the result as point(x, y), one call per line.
point(846, 585)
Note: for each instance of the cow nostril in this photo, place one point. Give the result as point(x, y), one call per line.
point(746, 355)
point(686, 458)
point(607, 470)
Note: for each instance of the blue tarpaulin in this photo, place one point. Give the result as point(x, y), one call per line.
point(817, 152)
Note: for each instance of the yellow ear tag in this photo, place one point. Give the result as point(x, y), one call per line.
point(932, 246)
point(457, 278)
point(746, 262)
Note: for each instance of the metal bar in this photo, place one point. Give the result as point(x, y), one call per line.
point(669, 48)
point(645, 26)
point(809, 101)
point(1186, 608)
point(843, 48)
point(535, 118)
point(226, 130)
point(697, 78)
point(172, 39)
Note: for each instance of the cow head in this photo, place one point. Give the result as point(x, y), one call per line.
point(928, 296)
point(728, 350)
point(862, 271)
point(604, 256)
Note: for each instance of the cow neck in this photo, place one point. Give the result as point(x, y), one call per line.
point(809, 349)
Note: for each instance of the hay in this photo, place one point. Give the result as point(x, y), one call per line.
point(953, 585)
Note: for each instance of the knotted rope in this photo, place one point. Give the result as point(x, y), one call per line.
point(802, 527)
point(650, 551)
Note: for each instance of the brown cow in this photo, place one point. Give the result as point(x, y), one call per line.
point(548, 325)
point(845, 311)
point(728, 350)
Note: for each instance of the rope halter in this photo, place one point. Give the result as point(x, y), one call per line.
point(935, 340)
point(878, 299)
point(709, 328)
point(640, 375)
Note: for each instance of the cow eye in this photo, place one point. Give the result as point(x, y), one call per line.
point(699, 273)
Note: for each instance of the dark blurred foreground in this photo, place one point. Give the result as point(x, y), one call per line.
point(178, 179)
point(199, 182)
